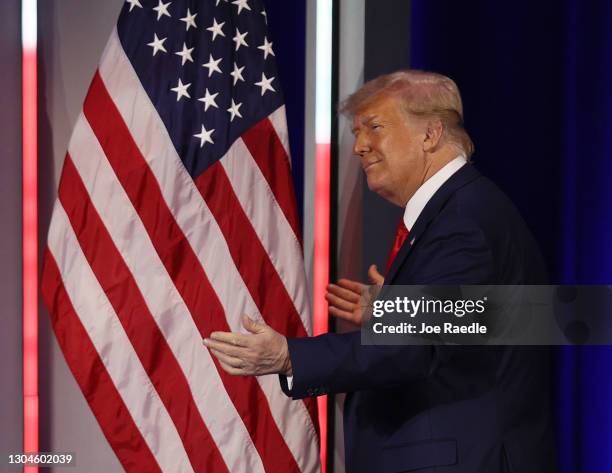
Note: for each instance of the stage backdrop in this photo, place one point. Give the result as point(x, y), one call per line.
point(536, 79)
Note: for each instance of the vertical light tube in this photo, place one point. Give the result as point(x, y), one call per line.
point(30, 229)
point(323, 68)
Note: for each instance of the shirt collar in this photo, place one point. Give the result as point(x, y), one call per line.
point(419, 200)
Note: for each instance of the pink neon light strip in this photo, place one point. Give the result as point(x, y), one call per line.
point(30, 254)
point(321, 268)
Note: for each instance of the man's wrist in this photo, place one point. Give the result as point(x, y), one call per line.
point(287, 368)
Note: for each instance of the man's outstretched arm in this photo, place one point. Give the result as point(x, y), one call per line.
point(339, 362)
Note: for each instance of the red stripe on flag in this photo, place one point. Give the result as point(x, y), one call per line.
point(270, 155)
point(251, 259)
point(183, 267)
point(91, 375)
point(149, 343)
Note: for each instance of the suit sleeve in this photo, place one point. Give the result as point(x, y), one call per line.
point(333, 363)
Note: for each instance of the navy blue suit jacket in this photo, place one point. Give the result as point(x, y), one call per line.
point(440, 408)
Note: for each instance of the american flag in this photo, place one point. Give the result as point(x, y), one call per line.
point(175, 215)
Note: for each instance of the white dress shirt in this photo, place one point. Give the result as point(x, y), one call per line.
point(419, 200)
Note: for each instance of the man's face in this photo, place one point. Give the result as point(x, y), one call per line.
point(390, 146)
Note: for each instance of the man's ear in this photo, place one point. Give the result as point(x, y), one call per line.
point(433, 134)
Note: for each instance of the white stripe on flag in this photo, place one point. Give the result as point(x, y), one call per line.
point(114, 347)
point(278, 118)
point(201, 230)
point(163, 300)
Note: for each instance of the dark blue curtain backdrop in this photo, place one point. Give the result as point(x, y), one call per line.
point(287, 27)
point(536, 79)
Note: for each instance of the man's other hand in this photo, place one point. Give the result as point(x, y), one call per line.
point(262, 351)
point(344, 296)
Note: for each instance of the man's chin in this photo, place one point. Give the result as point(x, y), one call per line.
point(372, 184)
point(380, 189)
point(375, 186)
point(375, 176)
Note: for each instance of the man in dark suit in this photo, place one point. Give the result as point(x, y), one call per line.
point(422, 408)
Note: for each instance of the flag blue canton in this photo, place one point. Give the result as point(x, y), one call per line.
point(208, 67)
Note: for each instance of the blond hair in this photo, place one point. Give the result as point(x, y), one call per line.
point(422, 94)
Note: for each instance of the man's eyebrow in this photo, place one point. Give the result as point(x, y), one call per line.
point(364, 121)
point(369, 119)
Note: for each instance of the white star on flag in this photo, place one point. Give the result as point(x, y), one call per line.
point(212, 65)
point(181, 90)
point(189, 20)
point(134, 3)
point(157, 44)
point(265, 84)
point(265, 15)
point(216, 29)
point(237, 73)
point(234, 110)
point(185, 54)
point(162, 9)
point(204, 136)
point(266, 48)
point(239, 39)
point(241, 4)
point(209, 100)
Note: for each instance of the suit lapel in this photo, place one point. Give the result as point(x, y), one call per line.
point(463, 176)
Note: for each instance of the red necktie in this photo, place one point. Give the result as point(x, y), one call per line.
point(400, 237)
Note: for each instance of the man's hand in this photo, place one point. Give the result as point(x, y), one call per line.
point(344, 297)
point(263, 351)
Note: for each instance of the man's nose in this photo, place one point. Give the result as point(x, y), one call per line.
point(361, 146)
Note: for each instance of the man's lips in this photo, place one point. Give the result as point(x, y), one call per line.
point(366, 166)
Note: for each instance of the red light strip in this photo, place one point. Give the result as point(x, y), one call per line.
point(321, 268)
point(30, 237)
